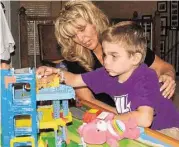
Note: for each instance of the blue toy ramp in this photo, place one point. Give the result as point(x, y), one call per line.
point(58, 93)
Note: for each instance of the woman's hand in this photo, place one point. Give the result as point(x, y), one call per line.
point(166, 74)
point(168, 85)
point(45, 71)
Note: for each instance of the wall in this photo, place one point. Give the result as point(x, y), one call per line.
point(56, 7)
point(125, 9)
point(115, 9)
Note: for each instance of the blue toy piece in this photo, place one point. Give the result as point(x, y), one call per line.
point(13, 107)
point(17, 101)
point(57, 94)
point(56, 108)
point(65, 106)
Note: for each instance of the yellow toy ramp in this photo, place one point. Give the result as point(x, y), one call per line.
point(23, 121)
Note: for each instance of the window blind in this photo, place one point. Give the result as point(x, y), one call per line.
point(34, 8)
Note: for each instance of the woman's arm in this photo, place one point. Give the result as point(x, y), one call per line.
point(143, 115)
point(87, 98)
point(162, 67)
point(166, 74)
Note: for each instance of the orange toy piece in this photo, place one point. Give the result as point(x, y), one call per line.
point(47, 82)
point(91, 115)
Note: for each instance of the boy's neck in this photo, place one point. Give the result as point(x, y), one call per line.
point(125, 76)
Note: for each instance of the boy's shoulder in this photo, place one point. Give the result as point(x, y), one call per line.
point(144, 72)
point(145, 78)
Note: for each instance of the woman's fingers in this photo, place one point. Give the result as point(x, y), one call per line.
point(168, 87)
point(171, 94)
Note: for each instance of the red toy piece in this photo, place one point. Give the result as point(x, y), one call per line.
point(91, 115)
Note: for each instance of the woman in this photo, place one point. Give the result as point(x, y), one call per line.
point(78, 30)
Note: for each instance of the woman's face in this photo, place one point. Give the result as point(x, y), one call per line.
point(86, 36)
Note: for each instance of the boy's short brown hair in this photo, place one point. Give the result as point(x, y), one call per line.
point(128, 34)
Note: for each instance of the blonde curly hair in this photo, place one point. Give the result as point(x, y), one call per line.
point(67, 20)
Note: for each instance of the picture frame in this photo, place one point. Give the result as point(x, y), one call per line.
point(162, 45)
point(163, 22)
point(162, 6)
point(147, 35)
point(146, 24)
point(162, 48)
point(174, 15)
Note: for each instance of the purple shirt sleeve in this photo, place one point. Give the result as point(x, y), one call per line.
point(95, 80)
point(147, 91)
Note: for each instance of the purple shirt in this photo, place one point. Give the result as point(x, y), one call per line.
point(141, 89)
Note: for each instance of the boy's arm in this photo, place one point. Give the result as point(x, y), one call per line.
point(74, 80)
point(94, 79)
point(143, 115)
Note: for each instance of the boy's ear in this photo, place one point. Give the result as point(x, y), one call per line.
point(137, 58)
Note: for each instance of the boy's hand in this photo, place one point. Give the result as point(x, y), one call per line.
point(168, 86)
point(45, 71)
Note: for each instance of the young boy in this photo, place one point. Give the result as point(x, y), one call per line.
point(133, 86)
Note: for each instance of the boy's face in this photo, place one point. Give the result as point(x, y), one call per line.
point(116, 59)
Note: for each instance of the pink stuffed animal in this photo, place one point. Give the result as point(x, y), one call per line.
point(100, 131)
